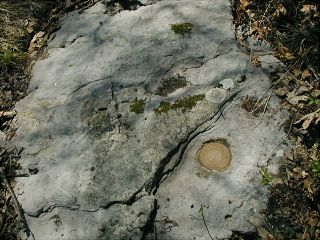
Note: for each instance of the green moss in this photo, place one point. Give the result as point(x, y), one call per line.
point(182, 28)
point(170, 84)
point(183, 103)
point(137, 106)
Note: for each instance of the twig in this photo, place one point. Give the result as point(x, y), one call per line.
point(16, 204)
point(204, 221)
point(279, 80)
point(286, 137)
point(265, 107)
point(257, 105)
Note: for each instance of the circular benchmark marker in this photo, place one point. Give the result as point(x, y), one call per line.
point(214, 156)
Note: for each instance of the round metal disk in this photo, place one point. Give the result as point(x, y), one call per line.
point(214, 156)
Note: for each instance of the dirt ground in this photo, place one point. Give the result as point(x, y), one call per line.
point(292, 28)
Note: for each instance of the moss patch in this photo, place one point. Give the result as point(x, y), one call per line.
point(182, 28)
point(137, 106)
point(183, 103)
point(170, 84)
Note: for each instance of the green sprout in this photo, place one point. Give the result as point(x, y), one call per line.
point(266, 177)
point(314, 101)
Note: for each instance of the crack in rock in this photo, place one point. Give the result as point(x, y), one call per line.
point(76, 207)
point(149, 226)
point(50, 208)
point(154, 183)
point(116, 6)
point(88, 83)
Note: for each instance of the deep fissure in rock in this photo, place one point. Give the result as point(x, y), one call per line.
point(153, 185)
point(125, 4)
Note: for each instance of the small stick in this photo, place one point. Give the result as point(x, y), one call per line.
point(14, 200)
point(204, 221)
point(257, 105)
point(265, 107)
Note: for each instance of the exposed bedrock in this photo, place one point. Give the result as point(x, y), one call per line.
point(117, 113)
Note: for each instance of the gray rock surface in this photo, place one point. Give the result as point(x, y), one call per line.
point(115, 142)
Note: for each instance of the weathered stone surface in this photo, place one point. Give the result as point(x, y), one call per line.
point(101, 161)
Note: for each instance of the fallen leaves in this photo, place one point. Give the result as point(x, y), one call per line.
point(244, 4)
point(284, 52)
point(308, 185)
point(309, 118)
point(280, 10)
point(305, 74)
point(255, 60)
point(308, 8)
point(292, 28)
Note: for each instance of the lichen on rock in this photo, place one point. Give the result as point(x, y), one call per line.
point(170, 84)
point(137, 106)
point(182, 28)
point(184, 104)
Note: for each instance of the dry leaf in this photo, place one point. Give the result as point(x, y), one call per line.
point(305, 74)
point(244, 4)
point(307, 119)
point(315, 93)
point(250, 13)
point(256, 61)
point(282, 91)
point(263, 233)
point(302, 89)
point(297, 173)
point(295, 100)
point(32, 25)
point(314, 155)
point(8, 114)
point(281, 10)
point(307, 8)
point(296, 72)
point(308, 185)
point(314, 219)
point(284, 52)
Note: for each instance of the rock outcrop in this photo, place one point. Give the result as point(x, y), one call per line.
point(115, 117)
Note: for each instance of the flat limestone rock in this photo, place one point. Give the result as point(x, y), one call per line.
point(109, 136)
